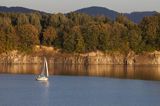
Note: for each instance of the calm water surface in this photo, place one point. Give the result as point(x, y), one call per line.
point(23, 90)
point(115, 88)
point(143, 72)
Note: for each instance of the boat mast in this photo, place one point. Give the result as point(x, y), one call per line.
point(43, 68)
point(46, 66)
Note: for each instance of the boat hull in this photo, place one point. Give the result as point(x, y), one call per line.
point(42, 79)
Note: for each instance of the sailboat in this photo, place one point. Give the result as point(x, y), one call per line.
point(44, 73)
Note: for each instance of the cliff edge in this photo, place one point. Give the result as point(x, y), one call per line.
point(54, 56)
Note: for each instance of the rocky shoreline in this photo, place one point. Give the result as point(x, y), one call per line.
point(15, 57)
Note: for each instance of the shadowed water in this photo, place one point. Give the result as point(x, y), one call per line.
point(143, 72)
point(24, 90)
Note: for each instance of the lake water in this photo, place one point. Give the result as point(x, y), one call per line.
point(115, 87)
point(142, 72)
point(24, 90)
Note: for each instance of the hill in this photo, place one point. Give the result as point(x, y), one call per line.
point(17, 9)
point(94, 11)
point(134, 16)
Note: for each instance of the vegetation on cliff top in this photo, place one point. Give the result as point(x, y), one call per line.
point(78, 33)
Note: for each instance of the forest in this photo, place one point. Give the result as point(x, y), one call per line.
point(78, 32)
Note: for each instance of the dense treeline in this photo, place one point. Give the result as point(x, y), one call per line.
point(78, 33)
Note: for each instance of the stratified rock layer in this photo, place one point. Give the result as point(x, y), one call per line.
point(15, 57)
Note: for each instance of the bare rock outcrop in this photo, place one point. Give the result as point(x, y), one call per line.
point(15, 57)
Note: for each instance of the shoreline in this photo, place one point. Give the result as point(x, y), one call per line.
point(92, 58)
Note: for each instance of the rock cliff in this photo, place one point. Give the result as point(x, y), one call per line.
point(15, 57)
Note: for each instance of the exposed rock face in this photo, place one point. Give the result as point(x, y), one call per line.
point(148, 58)
point(90, 58)
point(18, 58)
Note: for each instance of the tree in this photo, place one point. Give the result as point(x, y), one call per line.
point(69, 42)
point(49, 35)
point(27, 37)
point(79, 41)
point(149, 27)
point(22, 19)
point(7, 39)
point(34, 19)
point(104, 37)
point(56, 20)
point(90, 33)
point(5, 21)
point(80, 18)
point(102, 19)
point(2, 41)
point(135, 40)
point(119, 39)
point(122, 19)
point(7, 35)
point(78, 32)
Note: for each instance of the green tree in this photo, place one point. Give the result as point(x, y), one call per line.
point(90, 33)
point(102, 19)
point(5, 21)
point(22, 19)
point(149, 27)
point(49, 35)
point(119, 39)
point(135, 40)
point(27, 37)
point(79, 18)
point(7, 35)
point(2, 41)
point(35, 20)
point(69, 42)
point(104, 37)
point(79, 41)
point(56, 20)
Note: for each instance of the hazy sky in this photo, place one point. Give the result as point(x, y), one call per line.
point(54, 6)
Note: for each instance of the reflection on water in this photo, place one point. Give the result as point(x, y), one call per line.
point(44, 83)
point(145, 72)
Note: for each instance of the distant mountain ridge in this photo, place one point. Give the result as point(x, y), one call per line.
point(94, 10)
point(134, 16)
point(138, 16)
point(17, 9)
point(98, 11)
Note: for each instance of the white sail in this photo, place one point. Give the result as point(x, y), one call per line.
point(46, 65)
point(44, 73)
point(43, 68)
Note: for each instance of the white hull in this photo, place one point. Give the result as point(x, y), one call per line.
point(42, 78)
